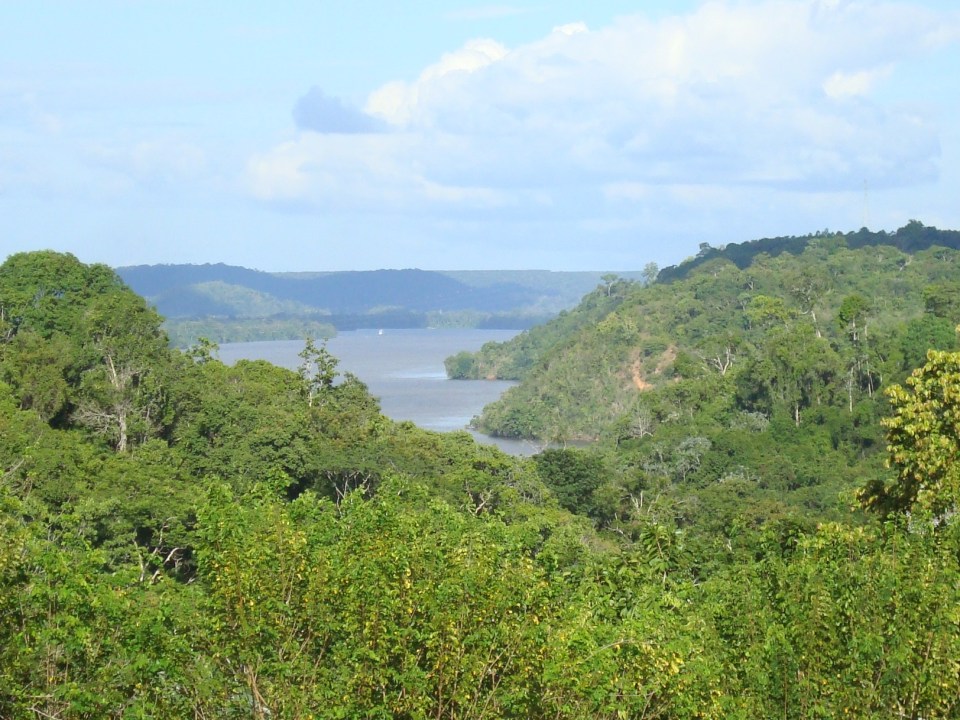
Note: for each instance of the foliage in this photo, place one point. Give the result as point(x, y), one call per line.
point(923, 439)
point(513, 359)
point(268, 545)
point(735, 394)
point(911, 238)
point(573, 476)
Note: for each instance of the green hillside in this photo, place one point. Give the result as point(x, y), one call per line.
point(218, 298)
point(183, 539)
point(848, 320)
point(727, 388)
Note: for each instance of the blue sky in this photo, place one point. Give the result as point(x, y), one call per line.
point(469, 135)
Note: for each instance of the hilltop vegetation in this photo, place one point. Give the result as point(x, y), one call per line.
point(911, 238)
point(184, 539)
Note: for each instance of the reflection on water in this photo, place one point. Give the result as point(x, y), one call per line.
point(404, 369)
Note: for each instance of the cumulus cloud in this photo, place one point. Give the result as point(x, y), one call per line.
point(779, 95)
point(401, 103)
point(323, 113)
point(382, 171)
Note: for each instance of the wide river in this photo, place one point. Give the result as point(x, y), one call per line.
point(404, 370)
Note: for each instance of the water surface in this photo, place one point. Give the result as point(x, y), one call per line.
point(404, 370)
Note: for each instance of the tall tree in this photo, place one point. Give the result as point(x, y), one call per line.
point(318, 369)
point(122, 393)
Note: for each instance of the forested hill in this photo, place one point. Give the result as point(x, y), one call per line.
point(339, 292)
point(227, 303)
point(911, 238)
point(847, 313)
point(184, 539)
point(771, 376)
point(197, 290)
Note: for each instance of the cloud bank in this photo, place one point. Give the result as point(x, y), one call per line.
point(730, 102)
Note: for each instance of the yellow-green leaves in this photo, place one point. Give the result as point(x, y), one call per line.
point(923, 440)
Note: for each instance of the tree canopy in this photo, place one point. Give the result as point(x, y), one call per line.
point(184, 539)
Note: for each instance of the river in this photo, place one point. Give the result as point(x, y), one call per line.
point(404, 370)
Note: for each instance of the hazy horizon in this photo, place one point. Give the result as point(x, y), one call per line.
point(376, 269)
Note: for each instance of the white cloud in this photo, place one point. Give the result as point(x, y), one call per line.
point(400, 103)
point(842, 85)
point(571, 28)
point(383, 171)
point(781, 95)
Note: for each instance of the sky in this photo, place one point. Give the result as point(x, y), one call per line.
point(317, 135)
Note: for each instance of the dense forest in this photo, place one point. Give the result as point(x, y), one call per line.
point(766, 527)
point(763, 365)
point(791, 324)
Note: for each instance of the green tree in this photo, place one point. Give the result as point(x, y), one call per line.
point(38, 368)
point(649, 273)
point(808, 287)
point(573, 475)
point(852, 316)
point(923, 441)
point(943, 300)
point(923, 333)
point(203, 351)
point(318, 369)
point(462, 366)
point(791, 370)
point(122, 392)
point(49, 292)
point(766, 311)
